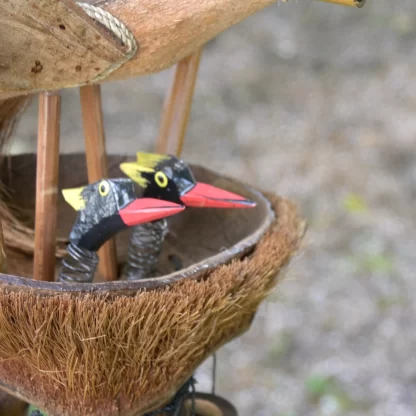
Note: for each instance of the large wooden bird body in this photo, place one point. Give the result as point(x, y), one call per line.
point(169, 178)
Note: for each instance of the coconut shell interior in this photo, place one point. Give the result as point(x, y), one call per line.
point(197, 238)
point(125, 348)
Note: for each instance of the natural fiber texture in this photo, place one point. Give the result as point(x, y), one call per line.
point(16, 234)
point(118, 29)
point(90, 354)
point(20, 237)
point(110, 22)
point(10, 113)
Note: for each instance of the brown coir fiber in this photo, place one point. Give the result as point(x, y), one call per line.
point(11, 109)
point(16, 234)
point(102, 355)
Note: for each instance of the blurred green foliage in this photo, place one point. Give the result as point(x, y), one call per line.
point(321, 387)
point(354, 203)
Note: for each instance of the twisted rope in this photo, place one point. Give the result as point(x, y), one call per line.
point(116, 27)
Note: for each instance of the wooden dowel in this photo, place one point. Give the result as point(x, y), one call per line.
point(3, 259)
point(97, 165)
point(47, 185)
point(177, 106)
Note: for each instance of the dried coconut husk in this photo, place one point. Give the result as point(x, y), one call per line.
point(12, 232)
point(17, 234)
point(89, 354)
point(10, 112)
point(21, 237)
point(119, 348)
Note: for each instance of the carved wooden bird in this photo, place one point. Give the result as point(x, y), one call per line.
point(105, 208)
point(169, 178)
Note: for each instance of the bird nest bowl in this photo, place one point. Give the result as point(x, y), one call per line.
point(126, 347)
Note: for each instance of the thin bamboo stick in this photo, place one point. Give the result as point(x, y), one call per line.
point(97, 165)
point(3, 258)
point(47, 185)
point(177, 106)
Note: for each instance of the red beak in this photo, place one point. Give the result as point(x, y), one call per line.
point(148, 209)
point(203, 195)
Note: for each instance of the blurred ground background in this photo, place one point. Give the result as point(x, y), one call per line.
point(316, 102)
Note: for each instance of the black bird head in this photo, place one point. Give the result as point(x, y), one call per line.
point(107, 206)
point(169, 178)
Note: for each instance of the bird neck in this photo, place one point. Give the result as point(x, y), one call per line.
point(99, 233)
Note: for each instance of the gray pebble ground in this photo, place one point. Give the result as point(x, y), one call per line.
point(316, 102)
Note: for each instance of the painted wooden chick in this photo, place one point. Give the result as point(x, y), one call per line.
point(169, 178)
point(105, 208)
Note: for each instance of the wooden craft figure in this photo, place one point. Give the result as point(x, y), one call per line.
point(169, 178)
point(105, 208)
point(122, 366)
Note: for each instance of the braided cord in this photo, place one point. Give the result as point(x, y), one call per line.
point(119, 29)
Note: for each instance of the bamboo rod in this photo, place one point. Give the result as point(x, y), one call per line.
point(177, 106)
point(47, 185)
point(3, 258)
point(97, 165)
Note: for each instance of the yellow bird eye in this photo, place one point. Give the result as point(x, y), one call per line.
point(161, 179)
point(104, 188)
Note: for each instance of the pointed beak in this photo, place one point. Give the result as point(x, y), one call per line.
point(148, 209)
point(207, 196)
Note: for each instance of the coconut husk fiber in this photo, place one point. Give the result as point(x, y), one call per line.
point(89, 355)
point(117, 349)
point(17, 232)
point(10, 112)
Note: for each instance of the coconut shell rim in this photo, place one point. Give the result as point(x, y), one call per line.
point(293, 234)
point(194, 271)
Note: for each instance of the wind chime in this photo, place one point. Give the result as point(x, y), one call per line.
point(117, 322)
